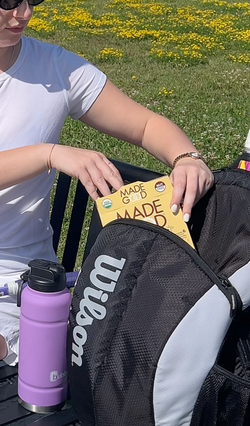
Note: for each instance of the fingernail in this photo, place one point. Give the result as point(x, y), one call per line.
point(174, 208)
point(186, 217)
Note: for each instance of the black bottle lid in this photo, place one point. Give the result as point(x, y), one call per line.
point(45, 276)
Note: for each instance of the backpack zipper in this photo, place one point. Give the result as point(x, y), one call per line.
point(236, 302)
point(222, 282)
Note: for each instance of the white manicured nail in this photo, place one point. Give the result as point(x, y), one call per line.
point(186, 217)
point(174, 208)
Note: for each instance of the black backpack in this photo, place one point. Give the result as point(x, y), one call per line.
point(159, 333)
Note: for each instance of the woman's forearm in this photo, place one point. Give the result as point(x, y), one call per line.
point(93, 169)
point(21, 164)
point(164, 140)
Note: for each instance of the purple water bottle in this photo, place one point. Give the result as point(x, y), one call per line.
point(42, 368)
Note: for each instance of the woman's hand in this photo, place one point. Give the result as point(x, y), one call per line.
point(92, 168)
point(191, 179)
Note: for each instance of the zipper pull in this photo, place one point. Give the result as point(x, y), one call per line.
point(233, 297)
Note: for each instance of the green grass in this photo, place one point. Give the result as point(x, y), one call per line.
point(188, 60)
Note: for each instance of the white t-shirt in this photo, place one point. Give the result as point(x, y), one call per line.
point(44, 86)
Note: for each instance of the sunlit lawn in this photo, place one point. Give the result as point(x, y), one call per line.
point(188, 60)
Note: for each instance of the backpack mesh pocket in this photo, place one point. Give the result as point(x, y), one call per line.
point(224, 400)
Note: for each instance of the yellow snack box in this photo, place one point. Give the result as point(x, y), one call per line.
point(149, 201)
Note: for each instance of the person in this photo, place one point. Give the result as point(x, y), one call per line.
point(40, 85)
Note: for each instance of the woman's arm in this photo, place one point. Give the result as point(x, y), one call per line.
point(93, 169)
point(116, 114)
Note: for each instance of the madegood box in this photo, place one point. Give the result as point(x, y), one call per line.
point(149, 201)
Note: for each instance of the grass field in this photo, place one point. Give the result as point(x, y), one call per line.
point(188, 60)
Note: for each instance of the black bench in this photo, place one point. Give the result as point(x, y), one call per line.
point(11, 413)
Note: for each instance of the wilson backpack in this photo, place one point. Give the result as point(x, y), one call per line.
point(159, 332)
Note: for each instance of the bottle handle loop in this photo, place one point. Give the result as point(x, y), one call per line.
point(24, 279)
